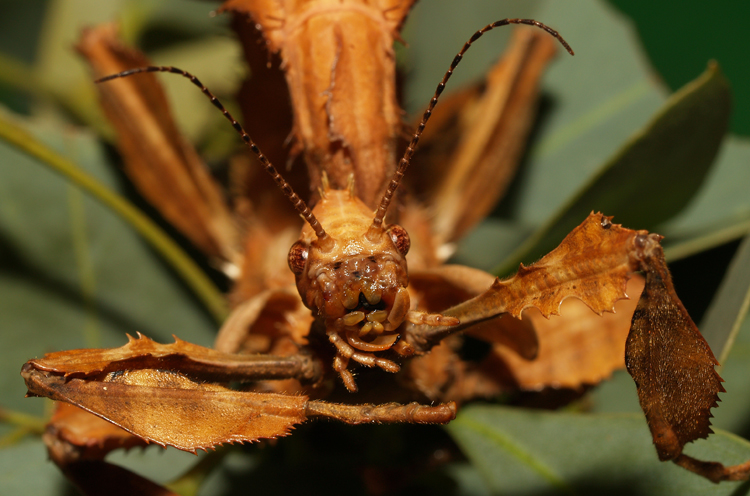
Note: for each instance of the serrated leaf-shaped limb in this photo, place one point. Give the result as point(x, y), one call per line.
point(169, 409)
point(593, 263)
point(192, 359)
point(671, 363)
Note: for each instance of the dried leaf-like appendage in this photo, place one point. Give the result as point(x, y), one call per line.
point(169, 408)
point(137, 387)
point(593, 263)
point(339, 64)
point(77, 442)
point(74, 434)
point(577, 347)
point(198, 361)
point(671, 363)
point(165, 168)
point(493, 129)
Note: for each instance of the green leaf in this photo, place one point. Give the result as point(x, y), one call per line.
point(730, 304)
point(720, 212)
point(532, 452)
point(72, 273)
point(655, 175)
point(169, 249)
point(20, 473)
point(732, 413)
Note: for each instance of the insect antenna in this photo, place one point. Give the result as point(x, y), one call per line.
point(377, 224)
point(285, 187)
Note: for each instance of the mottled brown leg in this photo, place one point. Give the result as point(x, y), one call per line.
point(413, 413)
point(340, 365)
point(714, 471)
point(367, 359)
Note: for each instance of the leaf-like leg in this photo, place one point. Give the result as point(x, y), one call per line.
point(714, 471)
point(413, 413)
point(593, 263)
point(193, 360)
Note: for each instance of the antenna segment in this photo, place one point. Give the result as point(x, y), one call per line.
point(377, 223)
point(298, 203)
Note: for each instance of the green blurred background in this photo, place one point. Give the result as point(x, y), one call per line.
point(681, 35)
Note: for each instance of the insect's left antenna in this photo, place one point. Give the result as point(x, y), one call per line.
point(298, 203)
point(377, 224)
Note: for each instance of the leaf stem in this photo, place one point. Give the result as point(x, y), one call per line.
point(24, 421)
point(193, 276)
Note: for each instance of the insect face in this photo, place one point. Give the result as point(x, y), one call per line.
point(356, 283)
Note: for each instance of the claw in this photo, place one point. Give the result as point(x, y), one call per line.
point(380, 343)
point(353, 318)
point(399, 310)
point(341, 365)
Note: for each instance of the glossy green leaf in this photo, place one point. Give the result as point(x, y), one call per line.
point(72, 273)
point(732, 413)
point(14, 134)
point(720, 212)
point(531, 452)
point(654, 175)
point(730, 304)
point(19, 474)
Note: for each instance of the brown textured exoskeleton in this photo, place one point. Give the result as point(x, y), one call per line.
point(351, 272)
point(353, 276)
point(351, 269)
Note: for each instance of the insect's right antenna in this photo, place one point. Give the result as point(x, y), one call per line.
point(377, 224)
point(298, 203)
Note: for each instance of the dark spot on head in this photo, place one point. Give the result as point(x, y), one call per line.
point(337, 266)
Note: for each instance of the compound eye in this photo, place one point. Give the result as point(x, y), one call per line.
point(297, 257)
point(400, 238)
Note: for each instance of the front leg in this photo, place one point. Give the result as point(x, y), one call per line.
point(345, 352)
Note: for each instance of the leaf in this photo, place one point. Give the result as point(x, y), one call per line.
point(730, 304)
point(486, 130)
point(653, 176)
point(593, 263)
point(21, 474)
point(74, 274)
point(532, 452)
point(188, 358)
point(735, 370)
point(169, 409)
point(17, 136)
point(577, 347)
point(720, 212)
point(671, 363)
point(166, 169)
